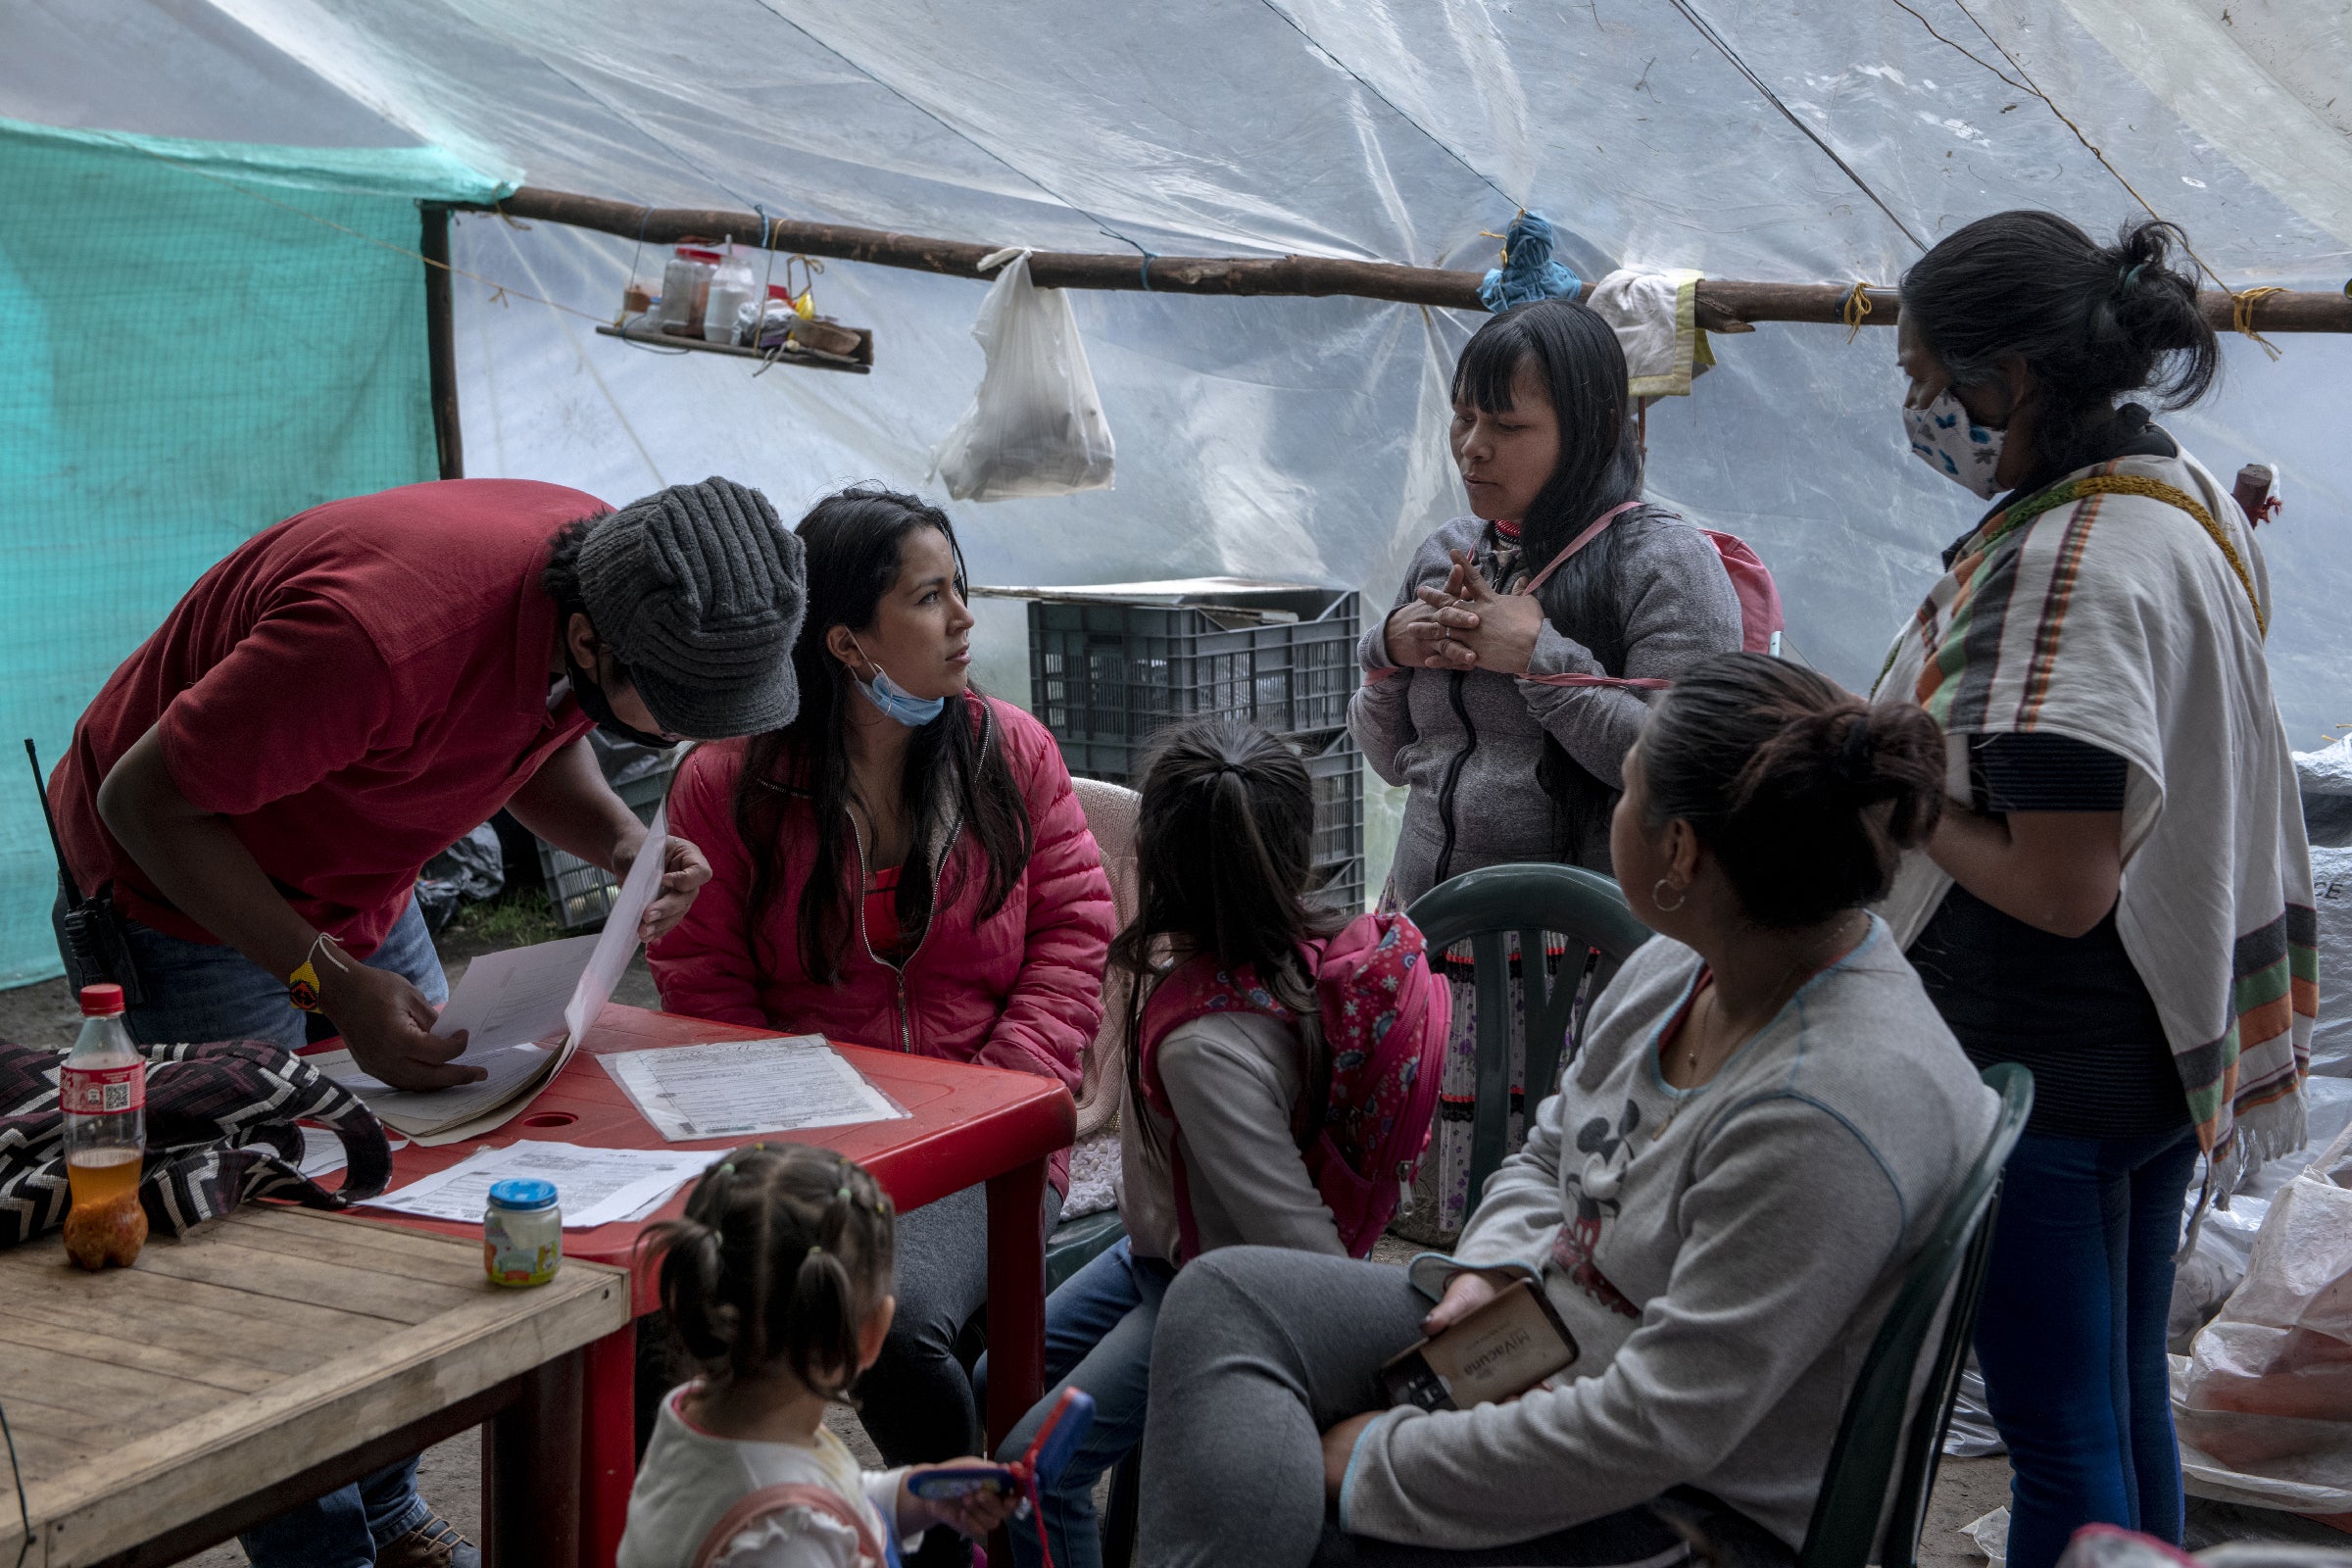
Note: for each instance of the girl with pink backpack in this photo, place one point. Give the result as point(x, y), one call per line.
point(1283, 1072)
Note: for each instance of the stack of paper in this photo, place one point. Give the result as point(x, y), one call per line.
point(514, 1005)
point(593, 1186)
point(737, 1087)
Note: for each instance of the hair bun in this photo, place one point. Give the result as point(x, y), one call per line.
point(1805, 793)
point(1854, 761)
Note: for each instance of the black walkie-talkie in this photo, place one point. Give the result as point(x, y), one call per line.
point(96, 948)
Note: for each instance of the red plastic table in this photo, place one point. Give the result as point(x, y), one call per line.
point(966, 1124)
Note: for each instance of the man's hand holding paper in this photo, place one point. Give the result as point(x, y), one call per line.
point(389, 1028)
point(683, 871)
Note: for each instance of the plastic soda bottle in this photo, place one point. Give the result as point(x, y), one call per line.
point(104, 1090)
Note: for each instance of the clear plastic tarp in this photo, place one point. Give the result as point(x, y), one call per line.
point(1811, 140)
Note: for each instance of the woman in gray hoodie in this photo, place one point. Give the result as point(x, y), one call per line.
point(1720, 1204)
point(1504, 765)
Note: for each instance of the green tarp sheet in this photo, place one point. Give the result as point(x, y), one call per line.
point(191, 354)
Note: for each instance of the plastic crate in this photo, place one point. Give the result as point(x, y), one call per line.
point(1338, 772)
point(1103, 676)
point(1336, 768)
point(580, 894)
point(1342, 889)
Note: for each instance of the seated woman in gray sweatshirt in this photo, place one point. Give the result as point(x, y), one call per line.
point(1765, 1121)
point(1502, 765)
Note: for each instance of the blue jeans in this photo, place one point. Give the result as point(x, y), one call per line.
point(209, 990)
point(2072, 1336)
point(199, 990)
point(1098, 1338)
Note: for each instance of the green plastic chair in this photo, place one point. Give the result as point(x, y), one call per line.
point(1481, 908)
point(1883, 1441)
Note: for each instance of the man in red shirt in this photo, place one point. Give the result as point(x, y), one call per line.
point(352, 690)
point(251, 795)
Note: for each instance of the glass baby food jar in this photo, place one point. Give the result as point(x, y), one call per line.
point(522, 1232)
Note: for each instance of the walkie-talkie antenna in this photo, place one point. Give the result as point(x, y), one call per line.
point(41, 790)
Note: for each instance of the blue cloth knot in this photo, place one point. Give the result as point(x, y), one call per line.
point(1528, 273)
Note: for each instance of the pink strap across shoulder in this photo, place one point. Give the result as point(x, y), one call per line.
point(756, 1505)
point(1590, 534)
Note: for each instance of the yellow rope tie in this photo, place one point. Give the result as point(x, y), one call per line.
point(2134, 485)
point(1856, 310)
point(2241, 314)
point(1505, 250)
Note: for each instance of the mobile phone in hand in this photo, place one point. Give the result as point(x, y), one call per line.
point(1498, 1352)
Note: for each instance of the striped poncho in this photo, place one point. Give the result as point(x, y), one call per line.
point(2125, 606)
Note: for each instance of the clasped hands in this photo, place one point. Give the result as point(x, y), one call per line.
point(1465, 625)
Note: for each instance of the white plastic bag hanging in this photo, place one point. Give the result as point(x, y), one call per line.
point(1035, 427)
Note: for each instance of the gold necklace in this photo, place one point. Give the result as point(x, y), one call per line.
point(1805, 961)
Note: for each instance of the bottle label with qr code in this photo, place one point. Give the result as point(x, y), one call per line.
point(103, 1090)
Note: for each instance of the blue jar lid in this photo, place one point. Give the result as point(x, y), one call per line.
point(522, 1192)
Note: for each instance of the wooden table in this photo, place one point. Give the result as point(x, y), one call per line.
point(272, 1358)
point(966, 1125)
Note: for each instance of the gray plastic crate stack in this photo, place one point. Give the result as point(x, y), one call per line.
point(1105, 675)
point(581, 894)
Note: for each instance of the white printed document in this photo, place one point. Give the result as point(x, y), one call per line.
point(516, 997)
point(734, 1087)
point(513, 1005)
point(593, 1186)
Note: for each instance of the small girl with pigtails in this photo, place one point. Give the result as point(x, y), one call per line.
point(777, 1286)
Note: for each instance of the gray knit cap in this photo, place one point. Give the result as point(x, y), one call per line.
point(700, 589)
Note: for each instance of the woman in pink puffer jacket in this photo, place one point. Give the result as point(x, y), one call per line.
point(904, 867)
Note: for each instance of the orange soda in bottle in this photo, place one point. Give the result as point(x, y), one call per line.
point(104, 1094)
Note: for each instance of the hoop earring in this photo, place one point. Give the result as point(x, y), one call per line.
point(1683, 896)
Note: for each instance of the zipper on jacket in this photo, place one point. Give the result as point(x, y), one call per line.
point(1454, 683)
point(939, 870)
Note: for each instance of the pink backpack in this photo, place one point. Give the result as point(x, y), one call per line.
point(1385, 1016)
point(1760, 619)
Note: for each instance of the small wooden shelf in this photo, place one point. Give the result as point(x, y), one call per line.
point(634, 331)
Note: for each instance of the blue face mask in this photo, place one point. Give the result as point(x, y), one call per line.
point(896, 700)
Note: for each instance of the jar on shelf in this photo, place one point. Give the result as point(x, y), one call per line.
point(685, 290)
point(733, 285)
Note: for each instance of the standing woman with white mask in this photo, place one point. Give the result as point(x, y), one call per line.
point(904, 867)
point(2118, 895)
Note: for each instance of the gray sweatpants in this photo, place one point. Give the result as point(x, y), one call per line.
point(1261, 1348)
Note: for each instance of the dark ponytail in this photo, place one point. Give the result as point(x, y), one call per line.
point(1805, 793)
point(783, 1252)
point(1224, 853)
point(2094, 322)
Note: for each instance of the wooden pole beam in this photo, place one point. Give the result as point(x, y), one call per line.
point(441, 348)
point(1724, 306)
